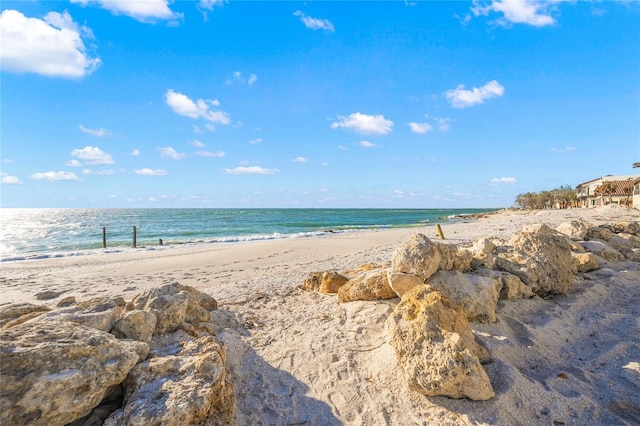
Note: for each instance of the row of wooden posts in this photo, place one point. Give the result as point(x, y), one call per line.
point(135, 237)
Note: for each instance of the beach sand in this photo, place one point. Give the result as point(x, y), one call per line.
point(302, 358)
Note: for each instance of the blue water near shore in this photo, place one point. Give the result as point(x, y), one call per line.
point(41, 233)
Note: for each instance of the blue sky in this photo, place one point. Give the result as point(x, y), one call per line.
point(426, 104)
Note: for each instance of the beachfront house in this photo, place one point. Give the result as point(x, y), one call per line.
point(610, 190)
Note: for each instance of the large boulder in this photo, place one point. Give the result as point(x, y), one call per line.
point(541, 258)
point(512, 286)
point(482, 253)
point(402, 282)
point(54, 372)
point(575, 229)
point(101, 313)
point(454, 258)
point(19, 313)
point(327, 282)
point(368, 285)
point(136, 325)
point(603, 250)
point(585, 262)
point(188, 388)
point(418, 256)
point(435, 347)
point(477, 294)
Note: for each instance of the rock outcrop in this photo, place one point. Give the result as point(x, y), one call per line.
point(327, 282)
point(368, 285)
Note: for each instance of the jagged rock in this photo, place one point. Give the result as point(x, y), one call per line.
point(454, 258)
point(603, 250)
point(575, 229)
point(632, 254)
point(541, 258)
point(627, 227)
point(623, 241)
point(368, 285)
point(512, 286)
point(585, 262)
point(477, 294)
point(173, 304)
point(482, 254)
point(67, 301)
point(401, 282)
point(101, 313)
point(435, 347)
point(327, 282)
point(136, 325)
point(350, 273)
point(632, 239)
point(54, 372)
point(19, 313)
point(418, 256)
point(188, 388)
point(598, 233)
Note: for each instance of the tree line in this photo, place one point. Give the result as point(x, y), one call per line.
point(562, 197)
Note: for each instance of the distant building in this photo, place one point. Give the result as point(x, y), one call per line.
point(626, 193)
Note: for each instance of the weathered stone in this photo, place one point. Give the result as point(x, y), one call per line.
point(633, 240)
point(621, 241)
point(603, 250)
point(188, 388)
point(327, 282)
point(350, 273)
point(482, 254)
point(454, 258)
point(48, 294)
point(598, 233)
point(417, 256)
point(585, 262)
point(628, 227)
point(512, 286)
point(101, 313)
point(368, 285)
point(136, 325)
point(541, 258)
point(632, 254)
point(67, 301)
point(575, 229)
point(402, 282)
point(54, 372)
point(12, 313)
point(477, 294)
point(435, 347)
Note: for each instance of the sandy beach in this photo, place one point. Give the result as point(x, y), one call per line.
point(571, 359)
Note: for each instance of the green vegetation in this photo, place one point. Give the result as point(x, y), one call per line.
point(559, 198)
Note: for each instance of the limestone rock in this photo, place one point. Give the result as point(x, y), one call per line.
point(368, 285)
point(188, 388)
point(327, 282)
point(101, 313)
point(627, 227)
point(54, 372)
point(477, 294)
point(632, 254)
point(585, 262)
point(482, 253)
point(454, 258)
point(575, 229)
point(418, 256)
point(21, 312)
point(598, 233)
point(136, 325)
point(603, 250)
point(541, 258)
point(512, 286)
point(401, 282)
point(435, 347)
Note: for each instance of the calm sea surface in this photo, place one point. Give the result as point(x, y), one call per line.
point(41, 233)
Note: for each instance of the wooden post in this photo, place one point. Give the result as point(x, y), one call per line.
point(440, 234)
point(134, 237)
point(104, 237)
point(160, 241)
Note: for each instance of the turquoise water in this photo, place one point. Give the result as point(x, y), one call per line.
point(39, 233)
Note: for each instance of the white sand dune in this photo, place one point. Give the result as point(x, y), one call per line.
point(305, 359)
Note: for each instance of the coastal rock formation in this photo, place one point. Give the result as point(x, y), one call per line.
point(418, 256)
point(136, 325)
point(327, 282)
point(585, 262)
point(575, 229)
point(602, 250)
point(100, 314)
point(436, 348)
point(368, 285)
point(512, 287)
point(454, 258)
point(402, 282)
point(482, 254)
point(19, 313)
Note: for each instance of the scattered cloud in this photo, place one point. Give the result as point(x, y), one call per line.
point(218, 154)
point(443, 123)
point(99, 133)
point(342, 148)
point(135, 152)
point(364, 124)
point(313, 23)
point(92, 155)
point(9, 180)
point(565, 149)
point(55, 176)
point(240, 78)
point(420, 128)
point(367, 144)
point(537, 13)
point(146, 11)
point(169, 152)
point(183, 105)
point(73, 163)
point(52, 47)
point(197, 144)
point(150, 172)
point(299, 160)
point(461, 98)
point(251, 170)
point(208, 5)
point(255, 141)
point(107, 172)
point(507, 180)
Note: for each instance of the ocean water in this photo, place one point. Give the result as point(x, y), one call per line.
point(41, 233)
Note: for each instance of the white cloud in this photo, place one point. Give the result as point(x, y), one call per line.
point(100, 132)
point(531, 12)
point(9, 180)
point(197, 144)
point(252, 170)
point(169, 152)
point(252, 79)
point(508, 180)
point(50, 47)
point(420, 128)
point(92, 155)
point(218, 154)
point(238, 77)
point(183, 105)
point(461, 98)
point(299, 160)
point(566, 149)
point(141, 10)
point(364, 124)
point(210, 4)
point(73, 163)
point(255, 141)
point(150, 172)
point(443, 124)
point(135, 152)
point(367, 144)
point(342, 148)
point(107, 172)
point(313, 23)
point(54, 176)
